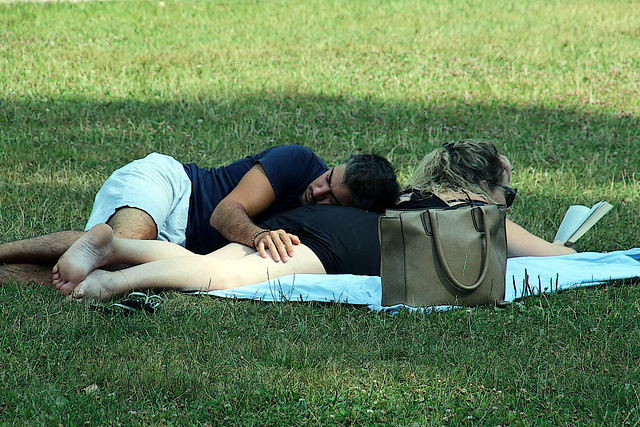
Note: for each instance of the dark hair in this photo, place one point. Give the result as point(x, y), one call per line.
point(372, 182)
point(464, 166)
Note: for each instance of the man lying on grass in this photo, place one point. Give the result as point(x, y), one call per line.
point(204, 209)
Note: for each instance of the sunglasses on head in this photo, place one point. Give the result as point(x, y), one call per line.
point(509, 195)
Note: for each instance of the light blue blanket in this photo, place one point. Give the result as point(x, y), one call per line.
point(525, 276)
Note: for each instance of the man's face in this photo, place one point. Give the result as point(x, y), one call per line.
point(328, 189)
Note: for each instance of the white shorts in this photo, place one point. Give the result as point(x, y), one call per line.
point(158, 185)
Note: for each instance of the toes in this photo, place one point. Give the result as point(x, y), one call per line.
point(66, 288)
point(77, 294)
point(72, 298)
point(57, 279)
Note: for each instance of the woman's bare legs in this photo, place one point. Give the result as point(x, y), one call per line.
point(196, 273)
point(98, 247)
point(165, 265)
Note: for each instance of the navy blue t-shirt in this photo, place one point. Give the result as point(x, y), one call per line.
point(290, 169)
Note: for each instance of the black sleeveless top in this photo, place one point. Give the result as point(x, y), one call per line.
point(345, 239)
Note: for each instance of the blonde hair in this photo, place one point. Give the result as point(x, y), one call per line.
point(466, 166)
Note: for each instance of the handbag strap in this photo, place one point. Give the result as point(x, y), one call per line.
point(443, 260)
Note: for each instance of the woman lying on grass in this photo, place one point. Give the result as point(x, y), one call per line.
point(334, 239)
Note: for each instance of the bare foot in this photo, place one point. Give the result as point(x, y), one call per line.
point(100, 285)
point(86, 254)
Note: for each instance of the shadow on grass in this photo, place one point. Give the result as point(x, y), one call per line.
point(104, 135)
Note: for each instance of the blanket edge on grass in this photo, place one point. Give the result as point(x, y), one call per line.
point(525, 276)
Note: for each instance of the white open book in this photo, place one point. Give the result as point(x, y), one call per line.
point(579, 219)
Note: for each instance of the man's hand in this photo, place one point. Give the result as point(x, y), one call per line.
point(279, 243)
point(233, 217)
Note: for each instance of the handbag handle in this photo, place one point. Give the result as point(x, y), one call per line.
point(443, 260)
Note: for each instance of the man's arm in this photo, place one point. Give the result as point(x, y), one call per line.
point(232, 216)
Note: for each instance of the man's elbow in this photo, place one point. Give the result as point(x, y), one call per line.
point(214, 220)
point(226, 213)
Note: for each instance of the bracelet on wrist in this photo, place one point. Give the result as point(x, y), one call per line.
point(255, 236)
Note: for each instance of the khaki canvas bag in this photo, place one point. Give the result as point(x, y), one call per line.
point(448, 256)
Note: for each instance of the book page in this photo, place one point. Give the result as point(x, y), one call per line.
point(597, 211)
point(579, 219)
point(573, 218)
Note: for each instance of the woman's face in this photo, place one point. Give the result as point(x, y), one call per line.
point(498, 193)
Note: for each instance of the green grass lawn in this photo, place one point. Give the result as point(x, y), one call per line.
point(88, 87)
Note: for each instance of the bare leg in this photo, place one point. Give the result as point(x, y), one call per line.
point(40, 250)
point(26, 273)
point(30, 260)
point(98, 247)
point(195, 273)
point(232, 251)
point(133, 223)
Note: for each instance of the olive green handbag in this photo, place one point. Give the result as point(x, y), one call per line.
point(449, 256)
